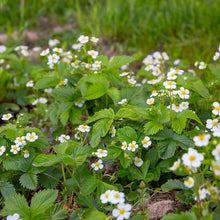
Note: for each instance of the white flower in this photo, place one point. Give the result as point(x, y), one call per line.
point(97, 165)
point(58, 50)
point(93, 53)
point(184, 105)
point(176, 62)
point(53, 58)
point(132, 146)
point(202, 194)
point(122, 101)
point(30, 83)
point(94, 39)
point(149, 67)
point(211, 124)
point(13, 217)
point(216, 110)
point(189, 183)
point(138, 161)
point(122, 211)
point(15, 149)
point(87, 65)
point(202, 140)
point(63, 138)
point(150, 101)
point(154, 93)
point(146, 142)
point(79, 103)
point(124, 145)
point(53, 42)
point(156, 71)
point(45, 52)
point(183, 93)
point(26, 154)
point(36, 49)
point(116, 197)
point(113, 131)
point(75, 64)
point(83, 39)
point(2, 150)
point(216, 167)
point(31, 137)
point(20, 141)
point(35, 102)
point(132, 81)
point(216, 131)
point(176, 164)
point(42, 100)
point(202, 65)
point(77, 46)
point(192, 159)
point(169, 84)
point(176, 108)
point(165, 56)
point(49, 90)
point(152, 81)
point(96, 65)
point(25, 52)
point(3, 48)
point(101, 153)
point(83, 128)
point(76, 137)
point(63, 82)
point(171, 76)
point(6, 117)
point(176, 71)
point(124, 74)
point(216, 56)
point(105, 196)
point(216, 152)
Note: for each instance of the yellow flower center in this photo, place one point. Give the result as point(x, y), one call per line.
point(122, 211)
point(170, 83)
point(45, 52)
point(97, 164)
point(14, 148)
point(177, 70)
point(144, 141)
point(177, 107)
point(214, 123)
point(189, 182)
point(138, 161)
point(0, 149)
point(20, 139)
point(192, 158)
point(31, 136)
point(7, 116)
point(132, 145)
point(183, 92)
point(217, 108)
point(116, 195)
point(92, 53)
point(83, 126)
point(53, 58)
point(125, 155)
point(154, 91)
point(216, 167)
point(201, 137)
point(176, 165)
point(26, 151)
point(172, 74)
point(106, 195)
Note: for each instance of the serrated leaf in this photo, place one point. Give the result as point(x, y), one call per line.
point(65, 94)
point(182, 216)
point(114, 94)
point(89, 185)
point(136, 173)
point(92, 213)
point(95, 91)
point(104, 113)
point(16, 204)
point(189, 114)
point(152, 127)
point(104, 59)
point(74, 115)
point(167, 149)
point(215, 69)
point(127, 134)
point(186, 197)
point(56, 212)
point(178, 124)
point(130, 92)
point(128, 113)
point(46, 160)
point(46, 83)
point(14, 163)
point(100, 129)
point(28, 180)
point(7, 189)
point(119, 61)
point(199, 87)
point(144, 168)
point(163, 114)
point(173, 184)
point(42, 200)
point(113, 152)
point(8, 126)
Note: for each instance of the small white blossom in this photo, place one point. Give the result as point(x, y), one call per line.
point(101, 153)
point(53, 58)
point(202, 194)
point(176, 62)
point(31, 137)
point(97, 165)
point(184, 105)
point(113, 131)
point(30, 83)
point(183, 93)
point(138, 161)
point(42, 100)
point(192, 159)
point(105, 197)
point(6, 117)
point(3, 48)
point(211, 124)
point(36, 49)
point(122, 101)
point(35, 102)
point(2, 150)
point(83, 39)
point(169, 84)
point(154, 93)
point(58, 50)
point(176, 164)
point(132, 146)
point(45, 52)
point(94, 39)
point(216, 56)
point(124, 145)
point(13, 217)
point(15, 149)
point(146, 142)
point(202, 65)
point(124, 74)
point(77, 46)
point(63, 138)
point(215, 167)
point(216, 152)
point(53, 42)
point(202, 140)
point(122, 211)
point(132, 81)
point(26, 154)
point(20, 141)
point(216, 110)
point(189, 183)
point(93, 53)
point(79, 103)
point(83, 128)
point(116, 197)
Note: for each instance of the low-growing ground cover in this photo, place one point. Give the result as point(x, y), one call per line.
point(84, 137)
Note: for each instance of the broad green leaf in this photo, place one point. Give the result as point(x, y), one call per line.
point(173, 184)
point(119, 61)
point(113, 152)
point(178, 124)
point(46, 82)
point(65, 94)
point(149, 177)
point(8, 126)
point(64, 117)
point(128, 113)
point(28, 180)
point(189, 114)
point(6, 189)
point(130, 92)
point(215, 69)
point(144, 168)
point(152, 127)
point(74, 115)
point(185, 197)
point(136, 173)
point(104, 59)
point(46, 160)
point(163, 114)
point(104, 113)
point(182, 216)
point(126, 159)
point(127, 134)
point(42, 200)
point(114, 94)
point(100, 129)
point(16, 204)
point(89, 185)
point(56, 212)
point(66, 147)
point(167, 148)
point(92, 213)
point(15, 163)
point(199, 87)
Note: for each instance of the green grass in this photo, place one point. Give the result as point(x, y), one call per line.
point(185, 28)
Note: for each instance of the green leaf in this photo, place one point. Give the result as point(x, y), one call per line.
point(127, 134)
point(149, 177)
point(104, 59)
point(185, 197)
point(173, 184)
point(89, 185)
point(215, 69)
point(100, 129)
point(66, 147)
point(46, 160)
point(182, 216)
point(46, 82)
point(104, 113)
point(42, 200)
point(199, 87)
point(136, 173)
point(95, 91)
point(152, 127)
point(130, 92)
point(119, 61)
point(167, 149)
point(14, 163)
point(178, 124)
point(56, 212)
point(163, 114)
point(189, 114)
point(128, 113)
point(7, 189)
point(114, 94)
point(113, 152)
point(16, 204)
point(28, 180)
point(74, 115)
point(126, 161)
point(145, 167)
point(92, 213)
point(65, 94)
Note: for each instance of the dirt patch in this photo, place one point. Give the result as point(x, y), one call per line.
point(161, 204)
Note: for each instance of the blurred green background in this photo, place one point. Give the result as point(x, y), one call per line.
point(183, 28)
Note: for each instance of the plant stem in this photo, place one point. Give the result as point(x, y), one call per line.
point(64, 178)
